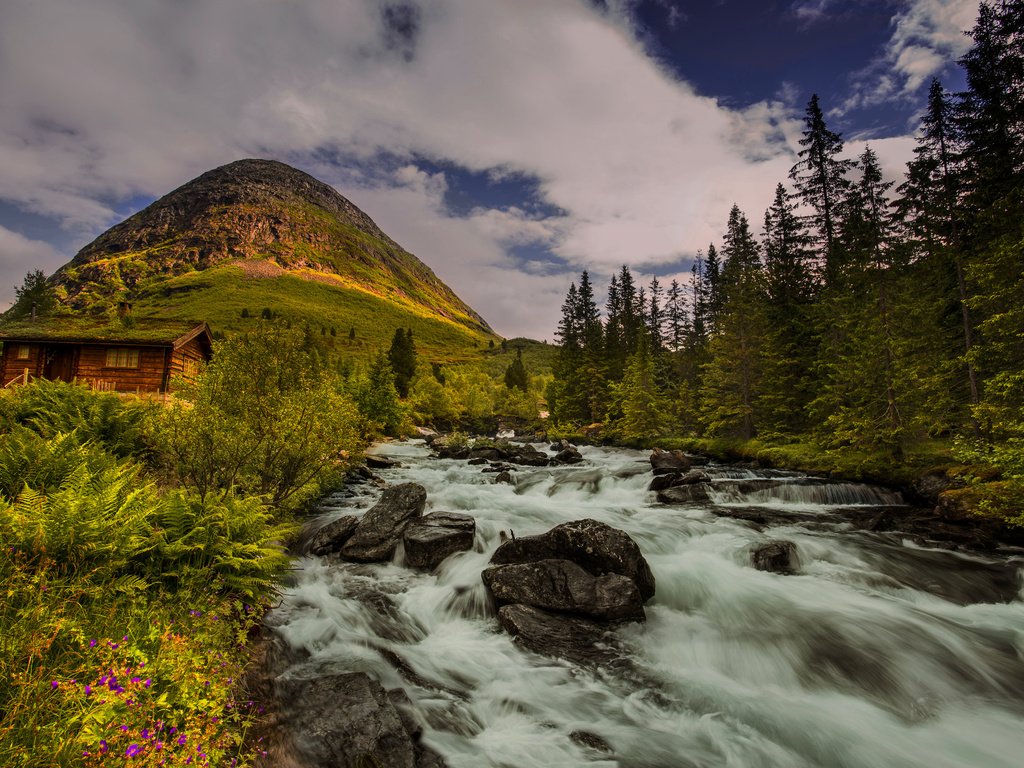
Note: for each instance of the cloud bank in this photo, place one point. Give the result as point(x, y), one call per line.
point(112, 100)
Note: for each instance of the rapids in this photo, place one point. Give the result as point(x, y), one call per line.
point(879, 652)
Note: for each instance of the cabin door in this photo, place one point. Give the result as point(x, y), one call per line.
point(59, 363)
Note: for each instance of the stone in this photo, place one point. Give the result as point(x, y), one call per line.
point(527, 455)
point(665, 462)
point(560, 445)
point(381, 462)
point(592, 741)
point(332, 536)
point(684, 494)
point(595, 546)
point(504, 477)
point(567, 455)
point(477, 461)
point(578, 640)
point(350, 720)
point(488, 454)
point(432, 538)
point(565, 587)
point(776, 556)
point(661, 482)
point(381, 528)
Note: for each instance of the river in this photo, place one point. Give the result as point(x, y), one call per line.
point(880, 651)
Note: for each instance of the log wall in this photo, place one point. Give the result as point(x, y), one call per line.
point(12, 367)
point(148, 377)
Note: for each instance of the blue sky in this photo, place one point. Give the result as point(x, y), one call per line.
point(507, 143)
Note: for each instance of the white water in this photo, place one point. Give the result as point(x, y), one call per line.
point(874, 655)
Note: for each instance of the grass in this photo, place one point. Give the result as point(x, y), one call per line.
point(221, 293)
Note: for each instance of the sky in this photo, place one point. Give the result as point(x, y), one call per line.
point(509, 144)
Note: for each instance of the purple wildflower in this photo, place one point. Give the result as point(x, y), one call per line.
point(54, 684)
point(103, 746)
point(88, 689)
point(92, 643)
point(182, 739)
point(133, 750)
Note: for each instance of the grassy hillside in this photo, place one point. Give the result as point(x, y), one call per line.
point(324, 301)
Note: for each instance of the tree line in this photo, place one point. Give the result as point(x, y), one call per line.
point(863, 314)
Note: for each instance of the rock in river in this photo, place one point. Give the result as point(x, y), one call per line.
point(381, 528)
point(579, 640)
point(564, 587)
point(350, 720)
point(596, 546)
point(777, 556)
point(433, 537)
point(332, 537)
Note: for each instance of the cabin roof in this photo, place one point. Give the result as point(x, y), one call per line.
point(102, 331)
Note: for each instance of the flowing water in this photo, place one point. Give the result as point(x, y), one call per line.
point(878, 652)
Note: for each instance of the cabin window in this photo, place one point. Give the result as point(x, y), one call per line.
point(190, 367)
point(122, 358)
point(23, 352)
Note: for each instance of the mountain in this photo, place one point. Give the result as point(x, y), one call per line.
point(255, 237)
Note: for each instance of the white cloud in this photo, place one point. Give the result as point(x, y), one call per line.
point(120, 98)
point(19, 255)
point(927, 36)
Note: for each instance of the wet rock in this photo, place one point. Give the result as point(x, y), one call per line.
point(929, 488)
point(528, 455)
point(488, 454)
point(684, 494)
point(432, 538)
point(360, 474)
point(382, 462)
point(563, 586)
point(593, 545)
point(332, 537)
point(577, 640)
point(777, 556)
point(349, 720)
point(381, 528)
point(477, 461)
point(592, 741)
point(661, 482)
point(567, 455)
point(560, 445)
point(665, 462)
point(504, 477)
point(694, 476)
point(498, 467)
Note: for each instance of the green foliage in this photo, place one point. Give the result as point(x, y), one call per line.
point(263, 418)
point(402, 356)
point(121, 623)
point(640, 400)
point(516, 376)
point(374, 392)
point(35, 292)
point(52, 407)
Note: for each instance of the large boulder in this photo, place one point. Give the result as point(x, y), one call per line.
point(350, 720)
point(381, 528)
point(665, 462)
point(776, 556)
point(593, 545)
point(565, 587)
point(333, 536)
point(579, 640)
point(431, 538)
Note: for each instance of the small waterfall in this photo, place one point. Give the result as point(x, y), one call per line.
point(876, 653)
point(802, 491)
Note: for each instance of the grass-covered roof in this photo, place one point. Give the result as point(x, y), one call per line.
point(102, 330)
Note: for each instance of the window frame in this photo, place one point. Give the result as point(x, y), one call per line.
point(122, 358)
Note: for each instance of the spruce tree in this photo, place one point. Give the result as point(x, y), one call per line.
point(402, 356)
point(639, 397)
point(820, 180)
point(733, 375)
point(516, 376)
point(790, 343)
point(36, 292)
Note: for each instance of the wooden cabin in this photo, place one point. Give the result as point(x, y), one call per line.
point(112, 357)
